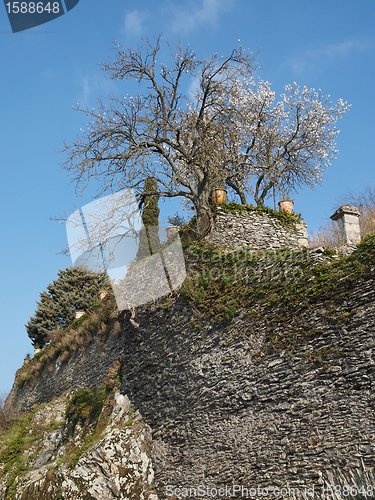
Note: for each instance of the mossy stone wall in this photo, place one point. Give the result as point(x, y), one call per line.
point(256, 230)
point(224, 410)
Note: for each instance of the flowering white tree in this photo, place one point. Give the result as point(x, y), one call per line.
point(286, 144)
point(229, 132)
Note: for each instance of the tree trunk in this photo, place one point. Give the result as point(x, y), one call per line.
point(149, 242)
point(259, 198)
point(202, 207)
point(204, 221)
point(204, 213)
point(238, 189)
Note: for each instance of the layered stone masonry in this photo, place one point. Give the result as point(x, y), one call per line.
point(221, 416)
point(256, 231)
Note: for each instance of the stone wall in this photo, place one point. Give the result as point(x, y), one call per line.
point(255, 230)
point(223, 415)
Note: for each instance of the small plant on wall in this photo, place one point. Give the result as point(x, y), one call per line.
point(286, 196)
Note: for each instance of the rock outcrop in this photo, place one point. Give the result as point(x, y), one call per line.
point(72, 460)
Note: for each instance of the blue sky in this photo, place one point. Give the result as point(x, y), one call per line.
point(48, 69)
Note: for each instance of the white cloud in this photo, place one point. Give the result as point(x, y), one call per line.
point(194, 87)
point(134, 22)
point(93, 88)
point(341, 49)
point(297, 64)
point(331, 51)
point(86, 90)
point(197, 14)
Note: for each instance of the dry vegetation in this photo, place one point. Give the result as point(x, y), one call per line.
point(100, 320)
point(329, 235)
point(6, 412)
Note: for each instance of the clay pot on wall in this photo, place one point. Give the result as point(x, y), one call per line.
point(219, 195)
point(286, 205)
point(171, 231)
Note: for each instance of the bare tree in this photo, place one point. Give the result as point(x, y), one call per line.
point(230, 132)
point(159, 134)
point(365, 201)
point(329, 235)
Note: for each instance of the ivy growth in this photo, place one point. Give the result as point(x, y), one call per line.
point(286, 219)
point(221, 284)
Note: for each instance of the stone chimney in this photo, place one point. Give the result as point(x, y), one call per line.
point(347, 217)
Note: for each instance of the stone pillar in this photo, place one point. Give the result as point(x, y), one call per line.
point(347, 217)
point(302, 236)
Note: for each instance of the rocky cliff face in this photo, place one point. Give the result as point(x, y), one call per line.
point(280, 396)
point(75, 458)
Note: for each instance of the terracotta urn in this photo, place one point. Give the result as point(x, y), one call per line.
point(286, 205)
point(219, 195)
